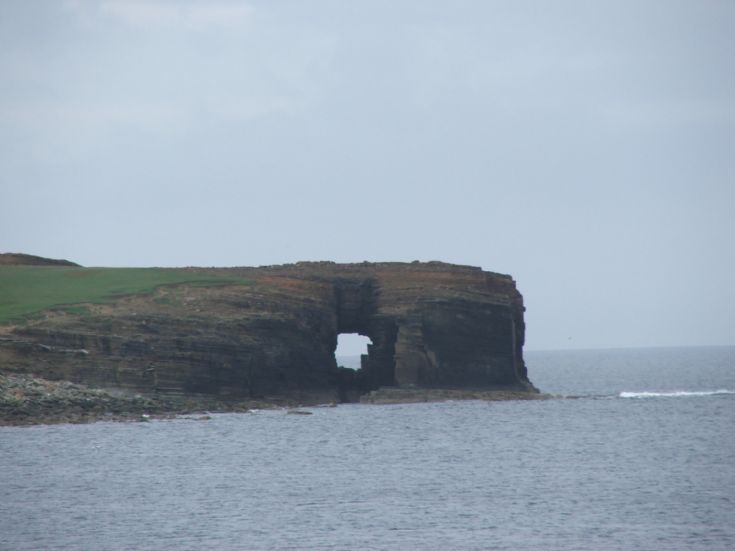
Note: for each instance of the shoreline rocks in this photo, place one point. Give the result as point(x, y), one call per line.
point(389, 395)
point(27, 400)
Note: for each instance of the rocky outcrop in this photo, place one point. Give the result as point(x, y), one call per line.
point(29, 400)
point(432, 326)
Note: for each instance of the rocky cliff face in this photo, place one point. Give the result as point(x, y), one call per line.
point(432, 325)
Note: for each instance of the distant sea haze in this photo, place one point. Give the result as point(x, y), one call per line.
point(636, 453)
point(350, 361)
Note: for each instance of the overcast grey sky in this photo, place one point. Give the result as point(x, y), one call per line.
point(586, 148)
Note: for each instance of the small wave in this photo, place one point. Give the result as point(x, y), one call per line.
point(675, 394)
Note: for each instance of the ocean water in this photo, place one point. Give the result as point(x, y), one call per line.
point(637, 453)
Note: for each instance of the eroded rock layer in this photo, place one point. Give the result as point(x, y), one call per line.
point(432, 325)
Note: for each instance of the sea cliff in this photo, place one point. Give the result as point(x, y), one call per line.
point(270, 333)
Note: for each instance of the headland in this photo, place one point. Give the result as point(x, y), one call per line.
point(192, 339)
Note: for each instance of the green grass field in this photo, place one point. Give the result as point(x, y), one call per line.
point(27, 290)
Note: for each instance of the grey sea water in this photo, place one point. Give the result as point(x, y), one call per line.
point(639, 455)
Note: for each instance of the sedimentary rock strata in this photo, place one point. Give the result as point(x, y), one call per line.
point(432, 325)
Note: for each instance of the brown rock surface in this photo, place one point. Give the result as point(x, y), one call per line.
point(432, 325)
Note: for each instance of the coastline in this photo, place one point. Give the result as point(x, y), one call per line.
point(26, 400)
point(393, 395)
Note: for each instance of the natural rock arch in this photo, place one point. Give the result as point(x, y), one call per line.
point(356, 310)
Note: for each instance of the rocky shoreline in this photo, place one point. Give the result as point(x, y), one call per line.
point(391, 395)
point(29, 400)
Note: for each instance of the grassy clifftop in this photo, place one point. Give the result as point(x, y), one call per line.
point(26, 290)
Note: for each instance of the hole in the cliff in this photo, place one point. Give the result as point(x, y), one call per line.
point(350, 347)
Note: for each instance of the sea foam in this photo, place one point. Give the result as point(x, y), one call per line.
point(675, 393)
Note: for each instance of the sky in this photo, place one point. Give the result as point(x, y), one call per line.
point(585, 148)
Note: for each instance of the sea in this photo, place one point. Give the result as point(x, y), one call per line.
point(636, 452)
